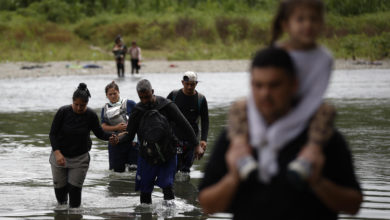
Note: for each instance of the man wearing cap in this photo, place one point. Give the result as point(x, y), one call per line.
point(192, 104)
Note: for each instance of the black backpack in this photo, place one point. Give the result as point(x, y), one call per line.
point(158, 144)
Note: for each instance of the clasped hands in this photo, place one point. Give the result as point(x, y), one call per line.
point(114, 139)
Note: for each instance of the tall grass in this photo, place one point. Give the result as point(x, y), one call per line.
point(33, 30)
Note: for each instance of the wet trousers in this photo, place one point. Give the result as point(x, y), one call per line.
point(68, 180)
point(120, 155)
point(134, 66)
point(121, 69)
point(149, 175)
point(185, 158)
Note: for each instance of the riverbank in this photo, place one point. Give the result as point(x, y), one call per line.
point(61, 68)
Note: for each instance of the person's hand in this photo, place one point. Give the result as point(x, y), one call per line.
point(313, 154)
point(203, 145)
point(114, 140)
point(133, 144)
point(239, 148)
point(60, 159)
point(199, 152)
point(321, 126)
point(121, 126)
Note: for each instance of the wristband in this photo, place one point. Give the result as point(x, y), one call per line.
point(245, 166)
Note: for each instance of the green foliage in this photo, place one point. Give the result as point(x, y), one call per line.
point(380, 46)
point(356, 7)
point(57, 11)
point(39, 30)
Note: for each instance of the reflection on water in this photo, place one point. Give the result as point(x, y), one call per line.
point(362, 100)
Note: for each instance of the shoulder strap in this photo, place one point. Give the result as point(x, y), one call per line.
point(161, 106)
point(105, 108)
point(124, 105)
point(124, 109)
point(200, 100)
point(174, 94)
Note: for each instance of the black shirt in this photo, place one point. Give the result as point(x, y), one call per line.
point(192, 106)
point(279, 199)
point(170, 111)
point(70, 132)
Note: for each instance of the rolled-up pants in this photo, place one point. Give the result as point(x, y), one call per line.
point(74, 171)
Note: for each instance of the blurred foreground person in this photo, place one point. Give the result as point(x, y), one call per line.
point(234, 177)
point(71, 142)
point(151, 120)
point(193, 105)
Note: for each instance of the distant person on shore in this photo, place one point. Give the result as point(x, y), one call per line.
point(253, 182)
point(193, 105)
point(135, 57)
point(71, 142)
point(119, 51)
point(151, 120)
point(114, 117)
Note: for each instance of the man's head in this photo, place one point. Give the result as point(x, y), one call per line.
point(274, 83)
point(189, 81)
point(145, 91)
point(118, 39)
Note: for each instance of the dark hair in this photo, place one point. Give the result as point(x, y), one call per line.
point(82, 93)
point(118, 38)
point(286, 7)
point(274, 57)
point(112, 85)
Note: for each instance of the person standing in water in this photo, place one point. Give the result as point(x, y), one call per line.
point(135, 57)
point(252, 182)
point(302, 21)
point(114, 117)
point(119, 51)
point(70, 141)
point(151, 120)
point(193, 105)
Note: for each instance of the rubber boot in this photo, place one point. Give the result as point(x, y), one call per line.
point(168, 193)
point(146, 198)
point(61, 195)
point(74, 196)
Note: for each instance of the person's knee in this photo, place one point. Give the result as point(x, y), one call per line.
point(59, 179)
point(77, 176)
point(59, 183)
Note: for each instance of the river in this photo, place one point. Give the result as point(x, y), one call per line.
point(362, 98)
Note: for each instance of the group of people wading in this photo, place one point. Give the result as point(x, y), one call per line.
point(157, 137)
point(279, 157)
